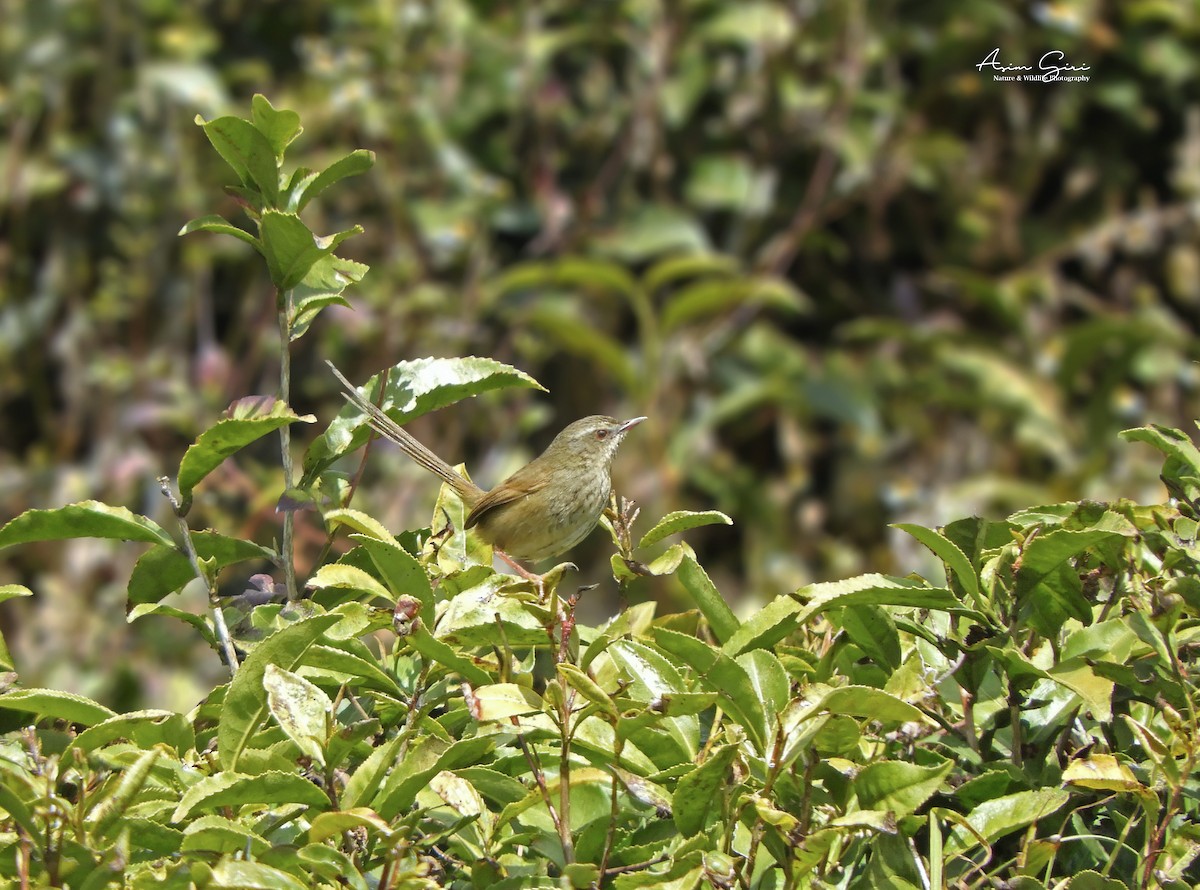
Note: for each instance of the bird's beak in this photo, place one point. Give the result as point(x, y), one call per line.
point(630, 424)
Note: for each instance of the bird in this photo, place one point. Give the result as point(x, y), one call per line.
point(543, 509)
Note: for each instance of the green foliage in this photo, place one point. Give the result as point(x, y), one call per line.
point(421, 720)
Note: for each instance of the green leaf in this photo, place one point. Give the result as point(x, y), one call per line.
point(164, 570)
point(332, 825)
point(500, 701)
point(18, 810)
point(674, 269)
point(769, 679)
point(401, 571)
point(424, 760)
point(879, 590)
point(238, 874)
point(705, 595)
point(221, 226)
point(291, 249)
point(56, 705)
point(11, 591)
point(873, 631)
point(1175, 444)
point(681, 521)
point(353, 164)
point(566, 324)
point(697, 794)
point(114, 804)
point(720, 673)
point(414, 388)
point(654, 230)
point(995, 818)
point(279, 127)
point(1048, 584)
point(348, 577)
point(86, 519)
point(579, 680)
point(248, 152)
point(146, 729)
point(216, 834)
point(435, 650)
point(955, 561)
point(363, 784)
point(228, 436)
point(766, 627)
point(871, 703)
point(360, 522)
point(230, 789)
point(898, 787)
point(322, 286)
point(300, 708)
point(245, 703)
point(199, 622)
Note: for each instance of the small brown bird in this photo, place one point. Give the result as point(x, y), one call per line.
point(543, 509)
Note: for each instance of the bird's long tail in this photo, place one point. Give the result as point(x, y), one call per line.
point(392, 431)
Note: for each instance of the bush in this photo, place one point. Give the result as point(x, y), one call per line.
point(406, 716)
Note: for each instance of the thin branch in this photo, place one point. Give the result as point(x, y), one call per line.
point(228, 652)
point(285, 441)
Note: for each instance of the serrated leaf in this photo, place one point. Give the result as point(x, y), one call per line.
point(706, 596)
point(899, 787)
point(291, 249)
point(348, 577)
point(359, 522)
point(228, 436)
point(279, 127)
point(1102, 772)
point(1172, 442)
point(954, 560)
point(248, 152)
point(500, 701)
point(766, 627)
point(301, 709)
point(995, 818)
point(435, 650)
point(231, 789)
point(424, 760)
point(238, 874)
point(872, 704)
point(246, 701)
point(333, 824)
point(353, 164)
point(199, 622)
point(146, 729)
point(681, 521)
point(221, 226)
point(401, 571)
point(697, 794)
point(721, 674)
point(163, 570)
point(86, 519)
point(216, 834)
point(880, 590)
point(57, 705)
point(115, 803)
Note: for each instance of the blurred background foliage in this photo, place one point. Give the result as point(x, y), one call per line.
point(851, 278)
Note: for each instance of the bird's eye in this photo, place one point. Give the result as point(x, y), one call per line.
point(601, 434)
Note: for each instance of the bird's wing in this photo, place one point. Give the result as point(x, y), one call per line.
point(518, 485)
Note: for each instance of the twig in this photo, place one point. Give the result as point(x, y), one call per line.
point(214, 601)
point(285, 440)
